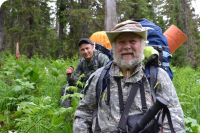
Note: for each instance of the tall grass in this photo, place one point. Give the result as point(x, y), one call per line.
point(187, 83)
point(30, 97)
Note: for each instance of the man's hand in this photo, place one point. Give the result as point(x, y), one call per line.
point(69, 70)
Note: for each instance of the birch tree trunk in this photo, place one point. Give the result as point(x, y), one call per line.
point(2, 8)
point(110, 14)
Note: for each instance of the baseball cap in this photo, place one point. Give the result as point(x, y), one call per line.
point(85, 40)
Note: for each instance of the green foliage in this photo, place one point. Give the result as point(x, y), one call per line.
point(191, 125)
point(178, 57)
point(25, 108)
point(34, 106)
point(187, 83)
point(75, 97)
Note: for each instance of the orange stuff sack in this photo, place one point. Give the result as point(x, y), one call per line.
point(101, 37)
point(175, 38)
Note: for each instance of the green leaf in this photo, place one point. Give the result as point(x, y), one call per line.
point(58, 64)
point(28, 111)
point(47, 99)
point(17, 88)
point(17, 113)
point(54, 72)
point(19, 70)
point(2, 118)
point(58, 121)
point(19, 76)
point(28, 71)
point(55, 63)
point(34, 76)
point(35, 69)
point(21, 64)
point(53, 119)
point(38, 81)
point(22, 97)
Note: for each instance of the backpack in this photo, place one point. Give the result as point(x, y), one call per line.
point(103, 50)
point(159, 42)
point(135, 123)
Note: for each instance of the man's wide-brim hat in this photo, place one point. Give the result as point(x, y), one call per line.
point(127, 26)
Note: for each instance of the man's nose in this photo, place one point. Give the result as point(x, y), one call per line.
point(85, 51)
point(127, 45)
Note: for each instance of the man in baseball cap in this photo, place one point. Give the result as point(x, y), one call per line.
point(88, 64)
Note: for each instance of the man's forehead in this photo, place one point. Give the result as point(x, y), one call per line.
point(85, 44)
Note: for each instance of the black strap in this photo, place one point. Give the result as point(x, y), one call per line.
point(96, 60)
point(159, 47)
point(153, 80)
point(121, 102)
point(166, 112)
point(100, 85)
point(97, 128)
point(130, 99)
point(99, 90)
point(108, 90)
point(143, 98)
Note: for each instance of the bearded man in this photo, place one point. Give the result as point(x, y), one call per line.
point(128, 42)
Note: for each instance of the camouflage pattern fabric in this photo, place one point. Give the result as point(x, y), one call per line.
point(88, 67)
point(109, 115)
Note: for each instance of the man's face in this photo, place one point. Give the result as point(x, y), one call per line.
point(128, 50)
point(86, 50)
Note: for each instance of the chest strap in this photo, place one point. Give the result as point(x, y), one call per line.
point(125, 110)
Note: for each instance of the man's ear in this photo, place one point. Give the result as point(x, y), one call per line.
point(92, 46)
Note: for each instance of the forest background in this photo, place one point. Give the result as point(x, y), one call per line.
point(29, 23)
point(30, 91)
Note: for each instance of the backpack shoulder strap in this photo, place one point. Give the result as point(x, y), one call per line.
point(81, 61)
point(151, 72)
point(101, 83)
point(100, 87)
point(96, 60)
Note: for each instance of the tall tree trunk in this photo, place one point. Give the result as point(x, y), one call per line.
point(2, 9)
point(185, 24)
point(61, 27)
point(84, 25)
point(110, 14)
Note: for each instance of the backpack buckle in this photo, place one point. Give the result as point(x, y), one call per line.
point(139, 82)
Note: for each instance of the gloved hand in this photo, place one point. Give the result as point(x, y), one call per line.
point(69, 70)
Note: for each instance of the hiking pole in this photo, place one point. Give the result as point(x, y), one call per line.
point(140, 125)
point(65, 91)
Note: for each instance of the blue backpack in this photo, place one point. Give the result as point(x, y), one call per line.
point(159, 42)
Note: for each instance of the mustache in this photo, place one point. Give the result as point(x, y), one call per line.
point(128, 52)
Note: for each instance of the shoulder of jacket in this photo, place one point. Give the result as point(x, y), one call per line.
point(93, 77)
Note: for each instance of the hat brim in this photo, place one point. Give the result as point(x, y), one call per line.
point(113, 34)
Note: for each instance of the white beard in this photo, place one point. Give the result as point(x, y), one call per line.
point(129, 64)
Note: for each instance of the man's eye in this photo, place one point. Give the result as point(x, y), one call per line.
point(121, 42)
point(132, 41)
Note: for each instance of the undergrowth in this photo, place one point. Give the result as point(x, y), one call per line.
point(30, 95)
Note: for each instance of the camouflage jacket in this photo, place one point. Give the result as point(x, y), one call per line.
point(88, 68)
point(109, 116)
